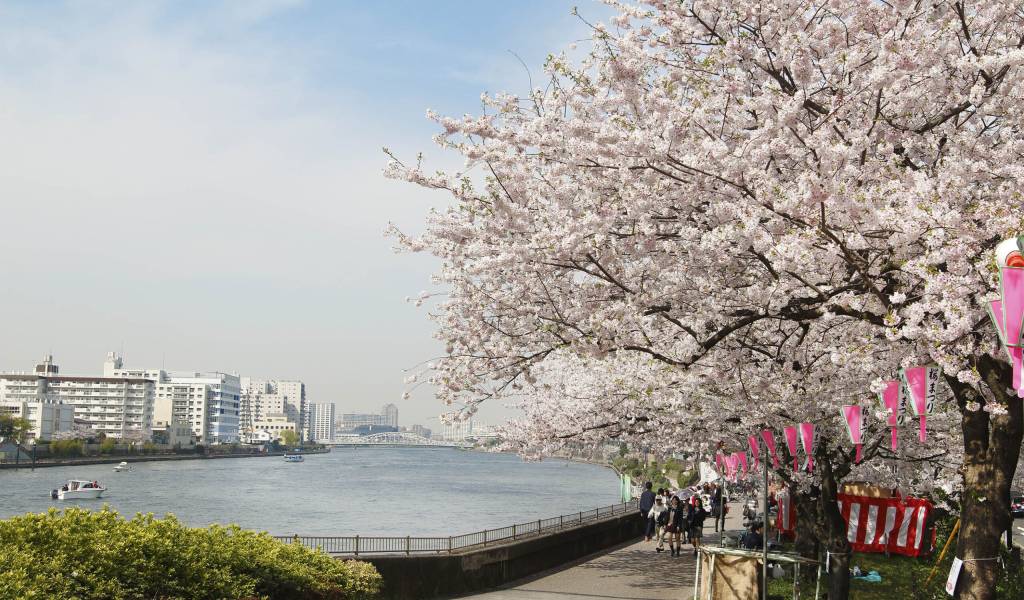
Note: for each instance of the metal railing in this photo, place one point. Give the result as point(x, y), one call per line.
point(356, 545)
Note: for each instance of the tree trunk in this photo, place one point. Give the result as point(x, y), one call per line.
point(991, 450)
point(808, 523)
point(836, 542)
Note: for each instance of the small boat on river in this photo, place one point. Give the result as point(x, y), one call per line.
point(122, 466)
point(293, 458)
point(76, 489)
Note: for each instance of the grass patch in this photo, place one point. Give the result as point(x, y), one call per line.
point(902, 576)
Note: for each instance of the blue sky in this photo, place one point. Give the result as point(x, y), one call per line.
point(199, 183)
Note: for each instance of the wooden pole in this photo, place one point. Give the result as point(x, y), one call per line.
point(952, 535)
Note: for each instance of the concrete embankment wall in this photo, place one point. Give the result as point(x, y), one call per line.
point(446, 575)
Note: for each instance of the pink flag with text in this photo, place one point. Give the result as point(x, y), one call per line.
point(755, 451)
point(921, 385)
point(854, 427)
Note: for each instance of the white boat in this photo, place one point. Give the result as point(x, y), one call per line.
point(293, 458)
point(122, 466)
point(75, 489)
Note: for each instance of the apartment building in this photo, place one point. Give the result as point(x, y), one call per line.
point(209, 403)
point(321, 422)
point(262, 399)
point(118, 406)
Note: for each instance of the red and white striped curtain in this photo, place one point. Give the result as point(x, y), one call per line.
point(896, 525)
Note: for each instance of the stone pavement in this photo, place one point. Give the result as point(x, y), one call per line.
point(631, 571)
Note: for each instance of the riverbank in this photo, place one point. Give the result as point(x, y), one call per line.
point(113, 460)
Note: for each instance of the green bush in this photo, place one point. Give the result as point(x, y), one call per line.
point(67, 448)
point(99, 555)
point(107, 445)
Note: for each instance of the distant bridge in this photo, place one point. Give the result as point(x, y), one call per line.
point(396, 439)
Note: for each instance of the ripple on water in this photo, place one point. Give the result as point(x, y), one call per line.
point(395, 491)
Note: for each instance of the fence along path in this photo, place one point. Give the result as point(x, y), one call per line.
point(356, 545)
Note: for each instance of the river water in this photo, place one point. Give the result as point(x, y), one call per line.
point(365, 491)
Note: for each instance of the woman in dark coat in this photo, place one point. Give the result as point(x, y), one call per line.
point(695, 521)
point(675, 524)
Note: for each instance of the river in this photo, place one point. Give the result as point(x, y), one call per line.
point(365, 491)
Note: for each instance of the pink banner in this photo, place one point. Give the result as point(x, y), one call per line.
point(807, 440)
point(891, 401)
point(742, 457)
point(769, 443)
point(792, 445)
point(1014, 355)
point(921, 385)
point(854, 427)
point(1011, 283)
point(755, 451)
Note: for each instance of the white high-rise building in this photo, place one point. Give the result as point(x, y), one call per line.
point(457, 431)
point(118, 406)
point(207, 402)
point(390, 412)
point(265, 398)
point(321, 422)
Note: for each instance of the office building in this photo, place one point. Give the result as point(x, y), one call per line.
point(350, 421)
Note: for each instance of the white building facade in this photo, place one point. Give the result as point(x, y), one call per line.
point(457, 431)
point(321, 422)
point(209, 403)
point(118, 406)
point(49, 418)
point(263, 400)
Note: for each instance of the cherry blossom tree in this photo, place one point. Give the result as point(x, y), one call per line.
point(737, 213)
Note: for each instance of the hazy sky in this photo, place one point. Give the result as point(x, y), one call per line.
point(199, 183)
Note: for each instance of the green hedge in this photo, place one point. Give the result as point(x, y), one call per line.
point(100, 555)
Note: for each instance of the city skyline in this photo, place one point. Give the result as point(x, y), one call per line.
point(113, 366)
point(208, 176)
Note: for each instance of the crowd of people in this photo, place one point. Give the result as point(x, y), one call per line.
point(679, 515)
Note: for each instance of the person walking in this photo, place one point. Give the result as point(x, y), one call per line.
point(646, 504)
point(716, 505)
point(658, 516)
point(695, 523)
point(674, 526)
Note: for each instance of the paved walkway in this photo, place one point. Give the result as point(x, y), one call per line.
point(631, 571)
